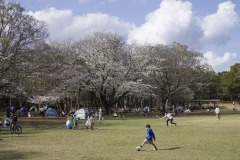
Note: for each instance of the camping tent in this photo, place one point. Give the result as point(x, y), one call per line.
point(82, 113)
point(52, 111)
point(33, 109)
point(24, 111)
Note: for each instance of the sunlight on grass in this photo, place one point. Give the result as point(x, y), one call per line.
point(195, 137)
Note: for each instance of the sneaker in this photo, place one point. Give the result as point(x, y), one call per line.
point(155, 149)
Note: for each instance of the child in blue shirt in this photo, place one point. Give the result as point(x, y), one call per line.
point(149, 137)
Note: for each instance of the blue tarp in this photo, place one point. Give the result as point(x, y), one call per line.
point(24, 111)
point(51, 112)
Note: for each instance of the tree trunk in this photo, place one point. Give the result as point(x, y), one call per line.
point(106, 106)
point(165, 103)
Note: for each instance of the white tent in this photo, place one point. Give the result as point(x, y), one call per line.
point(82, 113)
point(33, 108)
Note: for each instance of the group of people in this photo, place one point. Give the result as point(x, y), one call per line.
point(11, 117)
point(11, 120)
point(143, 111)
point(150, 137)
point(89, 123)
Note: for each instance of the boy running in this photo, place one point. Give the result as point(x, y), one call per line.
point(149, 137)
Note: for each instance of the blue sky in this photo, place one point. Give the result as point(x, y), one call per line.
point(211, 27)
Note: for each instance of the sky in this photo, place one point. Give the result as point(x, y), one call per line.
point(211, 27)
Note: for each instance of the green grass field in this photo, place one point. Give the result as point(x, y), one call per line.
point(198, 137)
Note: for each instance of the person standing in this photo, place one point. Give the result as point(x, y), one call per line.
point(100, 117)
point(169, 118)
point(75, 122)
point(89, 122)
point(149, 137)
point(217, 111)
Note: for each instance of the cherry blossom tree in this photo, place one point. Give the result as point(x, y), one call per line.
point(109, 67)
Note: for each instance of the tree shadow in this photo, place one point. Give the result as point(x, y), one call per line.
point(36, 125)
point(16, 154)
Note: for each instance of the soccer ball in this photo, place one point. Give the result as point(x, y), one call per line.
point(138, 148)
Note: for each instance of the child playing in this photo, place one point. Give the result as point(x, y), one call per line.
point(169, 118)
point(89, 122)
point(149, 137)
point(75, 122)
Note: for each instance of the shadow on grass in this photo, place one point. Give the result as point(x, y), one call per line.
point(36, 125)
point(173, 148)
point(13, 154)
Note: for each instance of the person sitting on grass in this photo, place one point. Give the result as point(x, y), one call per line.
point(169, 118)
point(233, 106)
point(149, 137)
point(115, 115)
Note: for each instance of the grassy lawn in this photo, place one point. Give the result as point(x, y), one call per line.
point(198, 137)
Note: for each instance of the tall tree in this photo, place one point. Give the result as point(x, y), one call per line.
point(231, 80)
point(19, 33)
point(174, 70)
point(111, 69)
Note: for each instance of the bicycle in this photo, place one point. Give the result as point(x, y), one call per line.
point(17, 129)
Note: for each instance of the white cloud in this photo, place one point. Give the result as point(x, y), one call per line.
point(217, 27)
point(218, 62)
point(174, 21)
point(63, 24)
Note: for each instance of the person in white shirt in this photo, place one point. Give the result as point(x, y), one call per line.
point(169, 118)
point(217, 111)
point(100, 116)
